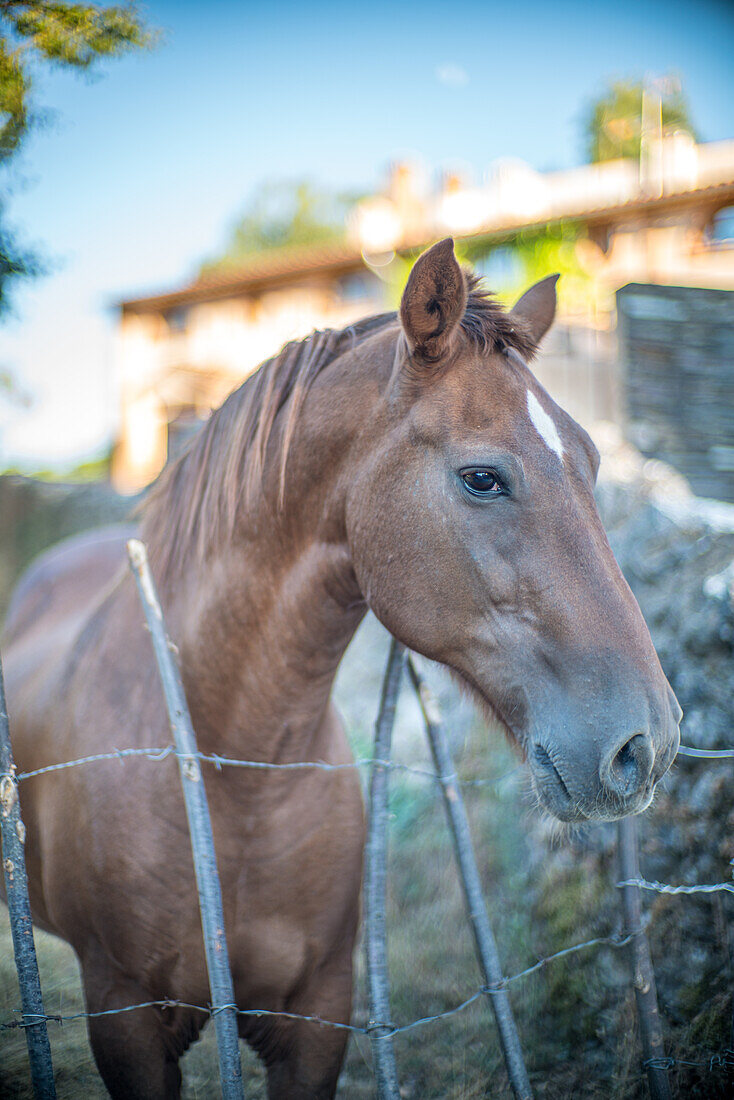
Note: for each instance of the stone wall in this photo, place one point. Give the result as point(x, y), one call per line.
point(676, 349)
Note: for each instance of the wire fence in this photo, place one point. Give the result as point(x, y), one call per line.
point(33, 1019)
point(220, 762)
point(379, 1028)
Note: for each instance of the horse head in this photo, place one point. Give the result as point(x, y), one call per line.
point(476, 540)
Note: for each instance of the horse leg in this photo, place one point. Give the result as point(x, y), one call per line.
point(310, 1065)
point(304, 1059)
point(137, 1052)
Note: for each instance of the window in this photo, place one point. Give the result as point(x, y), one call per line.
point(356, 288)
point(721, 231)
point(177, 319)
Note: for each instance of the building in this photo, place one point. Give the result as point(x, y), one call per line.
point(181, 353)
point(668, 219)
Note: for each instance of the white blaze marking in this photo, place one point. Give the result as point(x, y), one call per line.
point(544, 424)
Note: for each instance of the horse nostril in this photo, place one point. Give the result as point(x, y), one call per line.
point(544, 759)
point(630, 768)
point(624, 757)
point(542, 756)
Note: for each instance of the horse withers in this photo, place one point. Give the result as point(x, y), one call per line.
point(410, 464)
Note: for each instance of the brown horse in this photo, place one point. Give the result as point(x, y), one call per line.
point(411, 464)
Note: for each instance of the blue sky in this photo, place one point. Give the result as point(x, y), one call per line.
point(142, 170)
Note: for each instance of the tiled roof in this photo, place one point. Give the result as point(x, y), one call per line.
point(287, 264)
point(262, 269)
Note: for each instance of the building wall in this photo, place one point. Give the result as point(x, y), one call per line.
point(673, 250)
point(187, 360)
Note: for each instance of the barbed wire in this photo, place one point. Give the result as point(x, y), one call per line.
point(162, 753)
point(219, 761)
point(706, 754)
point(114, 754)
point(664, 888)
point(615, 940)
point(723, 1060)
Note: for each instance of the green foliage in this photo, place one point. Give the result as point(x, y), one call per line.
point(62, 34)
point(535, 252)
point(613, 124)
point(538, 252)
point(284, 215)
point(84, 473)
point(14, 88)
point(15, 261)
point(77, 34)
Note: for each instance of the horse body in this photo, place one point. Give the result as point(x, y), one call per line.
point(110, 860)
point(401, 466)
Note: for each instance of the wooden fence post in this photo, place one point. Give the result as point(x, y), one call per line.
point(19, 907)
point(484, 940)
point(375, 874)
point(643, 974)
point(223, 1006)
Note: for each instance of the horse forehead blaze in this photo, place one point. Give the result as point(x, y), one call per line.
point(544, 424)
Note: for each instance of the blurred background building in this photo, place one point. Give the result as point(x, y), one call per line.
point(667, 218)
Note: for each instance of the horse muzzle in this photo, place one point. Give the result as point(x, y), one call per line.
point(622, 781)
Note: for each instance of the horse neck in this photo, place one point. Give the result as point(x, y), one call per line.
point(260, 650)
point(264, 620)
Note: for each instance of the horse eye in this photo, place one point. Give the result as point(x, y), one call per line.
point(482, 483)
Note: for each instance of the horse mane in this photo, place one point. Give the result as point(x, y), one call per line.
point(193, 504)
point(489, 326)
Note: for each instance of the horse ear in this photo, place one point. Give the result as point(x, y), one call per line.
point(537, 307)
point(433, 302)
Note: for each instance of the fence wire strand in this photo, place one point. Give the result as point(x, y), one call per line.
point(706, 754)
point(161, 753)
point(722, 1060)
point(665, 888)
point(220, 762)
point(615, 940)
